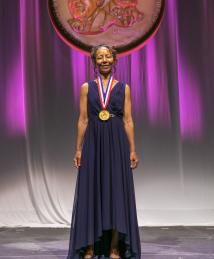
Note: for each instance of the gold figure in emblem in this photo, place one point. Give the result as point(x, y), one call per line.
point(97, 16)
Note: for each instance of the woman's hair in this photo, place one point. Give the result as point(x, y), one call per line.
point(94, 51)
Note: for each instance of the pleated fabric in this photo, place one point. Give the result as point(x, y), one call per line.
point(104, 196)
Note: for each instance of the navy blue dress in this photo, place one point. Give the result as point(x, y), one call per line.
point(104, 195)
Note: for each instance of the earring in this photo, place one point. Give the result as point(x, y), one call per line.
point(96, 71)
point(114, 69)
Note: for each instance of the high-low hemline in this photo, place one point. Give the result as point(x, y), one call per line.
point(104, 196)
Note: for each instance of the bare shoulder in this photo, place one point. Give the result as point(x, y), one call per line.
point(127, 89)
point(84, 88)
point(85, 85)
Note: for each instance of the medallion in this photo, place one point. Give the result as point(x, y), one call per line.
point(104, 97)
point(104, 115)
point(124, 24)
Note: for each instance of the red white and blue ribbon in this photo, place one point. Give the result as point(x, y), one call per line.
point(104, 96)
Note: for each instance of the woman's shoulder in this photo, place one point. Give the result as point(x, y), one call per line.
point(126, 85)
point(87, 85)
point(84, 89)
point(84, 85)
point(90, 82)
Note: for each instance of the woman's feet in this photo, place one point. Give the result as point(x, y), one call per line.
point(114, 253)
point(89, 253)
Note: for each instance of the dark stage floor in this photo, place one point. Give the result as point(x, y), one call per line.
point(157, 243)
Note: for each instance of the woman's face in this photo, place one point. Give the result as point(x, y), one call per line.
point(104, 60)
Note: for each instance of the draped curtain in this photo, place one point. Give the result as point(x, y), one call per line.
point(171, 82)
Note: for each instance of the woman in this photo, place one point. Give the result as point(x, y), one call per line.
point(104, 219)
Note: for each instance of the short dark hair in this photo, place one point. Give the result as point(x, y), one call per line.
point(95, 48)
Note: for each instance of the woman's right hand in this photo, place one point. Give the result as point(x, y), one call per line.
point(77, 158)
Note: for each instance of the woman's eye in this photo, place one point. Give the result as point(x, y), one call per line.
point(98, 58)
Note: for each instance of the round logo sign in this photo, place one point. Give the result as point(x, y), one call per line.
point(124, 24)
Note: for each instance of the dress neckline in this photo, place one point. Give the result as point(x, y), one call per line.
point(112, 88)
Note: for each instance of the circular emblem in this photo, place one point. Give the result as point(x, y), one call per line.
point(124, 24)
point(104, 115)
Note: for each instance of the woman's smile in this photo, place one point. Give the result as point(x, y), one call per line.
point(105, 66)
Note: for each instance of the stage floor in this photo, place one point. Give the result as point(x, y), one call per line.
point(157, 243)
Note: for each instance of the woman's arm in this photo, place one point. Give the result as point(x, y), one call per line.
point(129, 126)
point(127, 118)
point(83, 117)
point(82, 123)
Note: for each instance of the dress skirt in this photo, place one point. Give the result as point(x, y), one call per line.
point(104, 196)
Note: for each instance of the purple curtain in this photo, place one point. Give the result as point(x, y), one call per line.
point(171, 81)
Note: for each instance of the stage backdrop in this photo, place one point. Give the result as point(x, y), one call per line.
point(172, 89)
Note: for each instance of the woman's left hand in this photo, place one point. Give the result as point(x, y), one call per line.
point(134, 160)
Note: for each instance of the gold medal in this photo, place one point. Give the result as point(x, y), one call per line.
point(104, 115)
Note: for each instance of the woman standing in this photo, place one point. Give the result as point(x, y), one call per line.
point(104, 219)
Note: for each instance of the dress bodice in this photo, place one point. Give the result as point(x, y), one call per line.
point(115, 104)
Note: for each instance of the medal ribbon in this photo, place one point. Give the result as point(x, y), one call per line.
point(104, 96)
